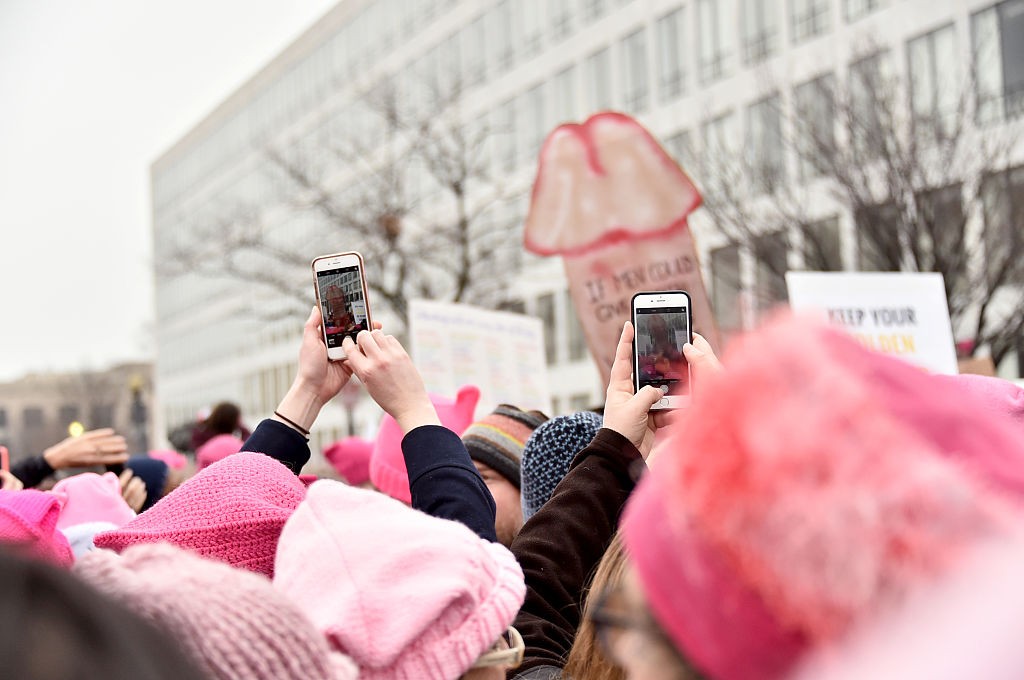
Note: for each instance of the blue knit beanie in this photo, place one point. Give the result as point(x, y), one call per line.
point(548, 453)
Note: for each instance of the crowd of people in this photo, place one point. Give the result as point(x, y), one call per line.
point(818, 511)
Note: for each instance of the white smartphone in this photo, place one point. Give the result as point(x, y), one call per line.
point(340, 284)
point(663, 323)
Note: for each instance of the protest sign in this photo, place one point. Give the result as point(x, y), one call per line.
point(501, 353)
point(614, 205)
point(903, 314)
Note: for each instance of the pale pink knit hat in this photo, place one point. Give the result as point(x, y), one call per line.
point(217, 448)
point(28, 525)
point(232, 511)
point(89, 497)
point(231, 622)
point(406, 595)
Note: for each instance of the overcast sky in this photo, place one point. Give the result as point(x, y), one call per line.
point(91, 92)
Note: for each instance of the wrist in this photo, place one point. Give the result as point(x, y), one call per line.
point(416, 416)
point(52, 457)
point(301, 405)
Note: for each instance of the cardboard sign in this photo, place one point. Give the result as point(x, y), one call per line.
point(501, 353)
point(614, 205)
point(903, 314)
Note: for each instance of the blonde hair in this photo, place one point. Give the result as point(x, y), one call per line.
point(585, 661)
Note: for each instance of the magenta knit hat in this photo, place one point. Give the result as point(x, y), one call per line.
point(387, 465)
point(351, 458)
point(233, 623)
point(89, 497)
point(813, 485)
point(406, 595)
point(232, 511)
point(217, 448)
point(994, 395)
point(174, 460)
point(28, 525)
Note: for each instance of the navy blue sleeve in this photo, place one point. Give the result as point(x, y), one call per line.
point(444, 482)
point(31, 471)
point(280, 442)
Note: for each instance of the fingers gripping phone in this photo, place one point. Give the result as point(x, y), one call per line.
point(340, 284)
point(662, 323)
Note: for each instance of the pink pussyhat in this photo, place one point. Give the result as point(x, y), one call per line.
point(218, 448)
point(794, 500)
point(994, 395)
point(174, 460)
point(89, 497)
point(28, 526)
point(233, 623)
point(387, 465)
point(407, 596)
point(232, 511)
point(351, 458)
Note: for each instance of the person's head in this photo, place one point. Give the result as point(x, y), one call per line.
point(217, 448)
point(155, 474)
point(53, 626)
point(495, 444)
point(225, 418)
point(812, 486)
point(404, 594)
point(221, 616)
point(548, 453)
point(587, 660)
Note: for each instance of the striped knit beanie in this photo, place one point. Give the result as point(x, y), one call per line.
point(548, 453)
point(497, 441)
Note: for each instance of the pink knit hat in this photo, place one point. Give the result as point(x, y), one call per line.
point(232, 511)
point(28, 525)
point(406, 595)
point(814, 484)
point(174, 460)
point(89, 497)
point(351, 458)
point(387, 465)
point(232, 623)
point(218, 448)
point(994, 395)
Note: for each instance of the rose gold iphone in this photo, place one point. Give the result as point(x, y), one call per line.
point(663, 324)
point(340, 284)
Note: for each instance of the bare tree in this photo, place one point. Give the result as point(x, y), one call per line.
point(926, 187)
point(409, 187)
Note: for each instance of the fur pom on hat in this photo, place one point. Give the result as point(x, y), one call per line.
point(814, 483)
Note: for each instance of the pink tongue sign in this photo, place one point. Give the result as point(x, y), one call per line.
point(613, 204)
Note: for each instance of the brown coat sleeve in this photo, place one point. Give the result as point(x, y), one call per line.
point(561, 545)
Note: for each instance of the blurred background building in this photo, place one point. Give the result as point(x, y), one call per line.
point(36, 411)
point(409, 130)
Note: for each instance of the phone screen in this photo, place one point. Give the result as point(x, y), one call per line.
point(661, 333)
point(341, 303)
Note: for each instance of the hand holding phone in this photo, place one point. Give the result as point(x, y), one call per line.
point(340, 284)
point(663, 325)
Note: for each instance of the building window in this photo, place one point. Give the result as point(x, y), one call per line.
point(502, 50)
point(1003, 200)
point(714, 41)
point(560, 17)
point(725, 286)
point(599, 85)
point(822, 250)
point(764, 143)
point(577, 341)
point(531, 26)
point(593, 10)
point(532, 122)
point(934, 95)
point(546, 313)
point(760, 30)
point(67, 414)
point(3, 418)
point(718, 136)
point(635, 72)
point(998, 42)
point(680, 147)
point(473, 53)
point(868, 99)
point(814, 119)
point(857, 9)
point(563, 95)
point(771, 257)
point(579, 402)
point(503, 132)
point(671, 61)
point(809, 18)
point(876, 252)
point(32, 416)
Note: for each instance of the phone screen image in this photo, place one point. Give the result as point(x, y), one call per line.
point(660, 336)
point(341, 303)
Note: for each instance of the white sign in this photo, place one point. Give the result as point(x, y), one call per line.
point(499, 352)
point(903, 314)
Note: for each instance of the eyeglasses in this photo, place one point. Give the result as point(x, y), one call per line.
point(604, 620)
point(507, 653)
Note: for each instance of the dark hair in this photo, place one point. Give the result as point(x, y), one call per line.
point(224, 419)
point(55, 627)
